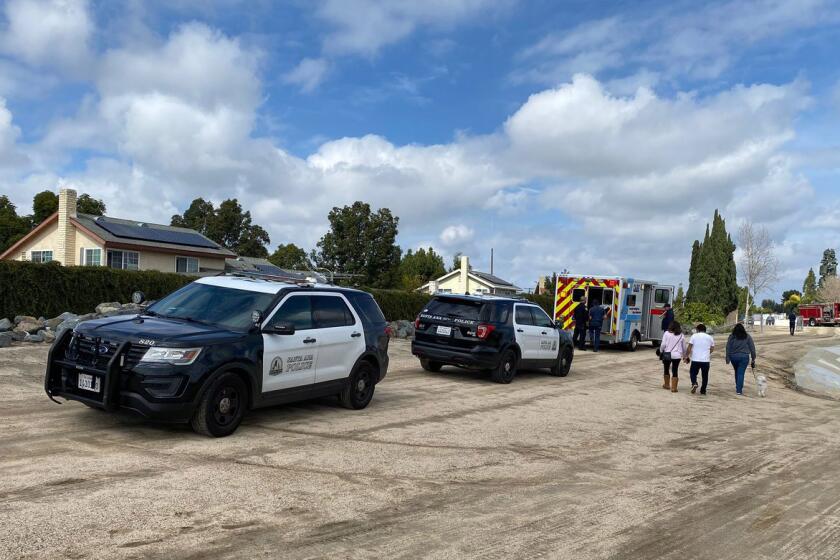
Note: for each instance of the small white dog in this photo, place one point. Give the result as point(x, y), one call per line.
point(761, 382)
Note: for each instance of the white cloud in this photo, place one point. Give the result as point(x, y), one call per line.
point(49, 32)
point(457, 234)
point(308, 74)
point(10, 155)
point(698, 40)
point(365, 26)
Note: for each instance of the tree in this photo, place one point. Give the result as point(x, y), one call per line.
point(227, 225)
point(809, 287)
point(828, 266)
point(198, 216)
point(290, 257)
point(12, 226)
point(791, 303)
point(679, 299)
point(418, 268)
point(86, 204)
point(44, 205)
point(362, 243)
point(772, 306)
point(830, 291)
point(714, 277)
point(758, 263)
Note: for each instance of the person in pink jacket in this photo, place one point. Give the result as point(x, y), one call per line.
point(671, 351)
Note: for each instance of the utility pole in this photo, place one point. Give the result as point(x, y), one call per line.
point(491, 260)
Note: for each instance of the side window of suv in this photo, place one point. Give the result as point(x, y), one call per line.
point(331, 311)
point(523, 315)
point(540, 318)
point(296, 310)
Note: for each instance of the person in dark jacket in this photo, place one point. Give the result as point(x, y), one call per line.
point(792, 319)
point(581, 316)
point(667, 318)
point(740, 352)
point(596, 321)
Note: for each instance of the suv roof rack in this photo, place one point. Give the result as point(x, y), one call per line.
point(304, 282)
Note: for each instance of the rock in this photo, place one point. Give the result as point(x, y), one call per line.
point(29, 326)
point(54, 322)
point(131, 306)
point(103, 308)
point(401, 329)
point(85, 317)
point(65, 326)
point(5, 340)
point(27, 318)
point(67, 315)
point(48, 336)
point(16, 335)
point(34, 338)
point(6, 325)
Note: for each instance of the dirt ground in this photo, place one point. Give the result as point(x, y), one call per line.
point(600, 464)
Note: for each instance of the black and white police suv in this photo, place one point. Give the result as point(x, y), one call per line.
point(222, 345)
point(492, 333)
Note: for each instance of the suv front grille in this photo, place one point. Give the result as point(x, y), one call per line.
point(96, 352)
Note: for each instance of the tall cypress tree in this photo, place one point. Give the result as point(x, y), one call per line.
point(714, 277)
point(690, 296)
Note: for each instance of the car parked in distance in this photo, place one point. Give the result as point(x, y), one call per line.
point(497, 334)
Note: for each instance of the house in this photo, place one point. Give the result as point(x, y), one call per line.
point(465, 280)
point(75, 239)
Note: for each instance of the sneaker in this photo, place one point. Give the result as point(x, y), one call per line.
point(694, 389)
point(739, 394)
point(702, 392)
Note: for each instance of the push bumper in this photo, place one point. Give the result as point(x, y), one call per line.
point(479, 357)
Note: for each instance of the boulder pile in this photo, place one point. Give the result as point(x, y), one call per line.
point(402, 329)
point(25, 328)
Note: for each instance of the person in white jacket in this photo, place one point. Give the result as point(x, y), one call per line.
point(671, 352)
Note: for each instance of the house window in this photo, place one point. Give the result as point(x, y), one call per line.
point(91, 257)
point(186, 264)
point(41, 256)
point(124, 260)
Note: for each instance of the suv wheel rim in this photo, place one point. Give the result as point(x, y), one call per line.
point(226, 406)
point(363, 385)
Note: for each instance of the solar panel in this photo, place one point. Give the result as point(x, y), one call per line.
point(144, 233)
point(269, 269)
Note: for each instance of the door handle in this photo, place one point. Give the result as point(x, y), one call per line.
point(519, 330)
point(356, 335)
point(308, 340)
point(544, 332)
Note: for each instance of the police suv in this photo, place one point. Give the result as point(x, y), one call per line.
point(491, 333)
point(220, 346)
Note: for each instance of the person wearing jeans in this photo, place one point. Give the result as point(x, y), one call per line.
point(596, 321)
point(699, 353)
point(740, 352)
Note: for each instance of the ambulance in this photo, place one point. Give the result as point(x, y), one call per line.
point(634, 307)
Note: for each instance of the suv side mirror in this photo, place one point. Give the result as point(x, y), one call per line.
point(281, 328)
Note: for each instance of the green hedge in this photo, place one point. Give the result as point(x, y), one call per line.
point(544, 301)
point(399, 304)
point(50, 289)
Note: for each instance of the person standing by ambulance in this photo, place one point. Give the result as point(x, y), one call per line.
point(667, 318)
point(581, 316)
point(596, 321)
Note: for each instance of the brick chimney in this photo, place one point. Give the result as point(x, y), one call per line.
point(66, 231)
point(465, 279)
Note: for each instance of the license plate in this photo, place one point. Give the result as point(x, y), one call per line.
point(444, 331)
point(88, 382)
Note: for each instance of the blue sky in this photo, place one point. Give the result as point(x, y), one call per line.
point(593, 136)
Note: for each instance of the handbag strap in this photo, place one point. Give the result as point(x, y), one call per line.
point(682, 337)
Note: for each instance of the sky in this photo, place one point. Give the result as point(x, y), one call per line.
point(597, 137)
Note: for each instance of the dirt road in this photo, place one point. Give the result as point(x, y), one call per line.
point(601, 464)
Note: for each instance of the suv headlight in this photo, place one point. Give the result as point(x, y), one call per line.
point(174, 356)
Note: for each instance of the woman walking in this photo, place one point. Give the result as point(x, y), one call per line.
point(671, 352)
point(740, 352)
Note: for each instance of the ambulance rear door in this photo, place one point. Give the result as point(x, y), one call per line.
point(662, 295)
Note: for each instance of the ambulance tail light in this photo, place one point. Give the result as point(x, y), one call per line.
point(483, 331)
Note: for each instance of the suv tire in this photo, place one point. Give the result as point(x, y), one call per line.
point(429, 365)
point(506, 370)
point(359, 390)
point(222, 406)
point(564, 363)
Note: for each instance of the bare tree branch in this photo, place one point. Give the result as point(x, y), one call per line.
point(757, 265)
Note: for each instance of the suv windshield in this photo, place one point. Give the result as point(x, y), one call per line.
point(213, 305)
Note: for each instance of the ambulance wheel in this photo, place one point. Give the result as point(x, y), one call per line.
point(506, 370)
point(429, 365)
point(222, 406)
point(812, 323)
point(564, 363)
point(634, 342)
